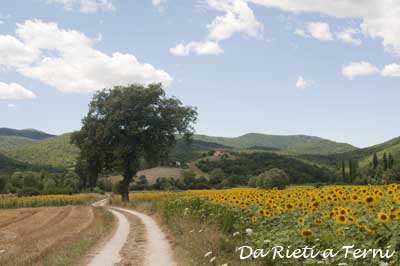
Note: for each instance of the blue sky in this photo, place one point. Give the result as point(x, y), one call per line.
point(267, 66)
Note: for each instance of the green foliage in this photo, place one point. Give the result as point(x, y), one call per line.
point(8, 143)
point(217, 175)
point(188, 176)
point(127, 126)
point(55, 152)
point(274, 178)
point(247, 165)
point(298, 144)
point(186, 152)
point(31, 183)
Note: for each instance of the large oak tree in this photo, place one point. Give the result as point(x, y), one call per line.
point(129, 126)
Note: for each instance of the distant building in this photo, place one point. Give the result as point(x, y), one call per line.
point(219, 153)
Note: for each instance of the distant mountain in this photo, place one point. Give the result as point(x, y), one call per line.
point(55, 151)
point(298, 144)
point(27, 133)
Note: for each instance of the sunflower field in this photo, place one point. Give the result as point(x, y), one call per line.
point(330, 217)
point(8, 202)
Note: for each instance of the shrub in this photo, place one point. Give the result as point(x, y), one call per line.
point(28, 191)
point(274, 178)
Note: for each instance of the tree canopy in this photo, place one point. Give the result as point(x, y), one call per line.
point(131, 126)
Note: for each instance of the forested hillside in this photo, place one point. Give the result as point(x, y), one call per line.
point(247, 165)
point(299, 144)
point(56, 151)
point(8, 143)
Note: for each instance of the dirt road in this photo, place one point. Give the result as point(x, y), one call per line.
point(157, 250)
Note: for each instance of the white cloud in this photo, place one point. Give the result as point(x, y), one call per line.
point(392, 70)
point(237, 18)
point(85, 6)
point(347, 36)
point(15, 53)
point(15, 91)
point(320, 31)
point(159, 4)
point(355, 69)
point(10, 105)
point(380, 19)
point(201, 48)
point(302, 83)
point(66, 60)
point(301, 33)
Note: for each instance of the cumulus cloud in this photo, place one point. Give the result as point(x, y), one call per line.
point(355, 69)
point(85, 6)
point(392, 70)
point(238, 17)
point(380, 19)
point(347, 36)
point(159, 4)
point(320, 31)
point(66, 60)
point(201, 48)
point(14, 91)
point(302, 83)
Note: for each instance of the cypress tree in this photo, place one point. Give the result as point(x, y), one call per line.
point(351, 172)
point(375, 161)
point(390, 161)
point(385, 162)
point(343, 170)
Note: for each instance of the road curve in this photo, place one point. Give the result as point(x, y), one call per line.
point(158, 250)
point(109, 254)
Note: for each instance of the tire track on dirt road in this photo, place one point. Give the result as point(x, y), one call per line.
point(158, 251)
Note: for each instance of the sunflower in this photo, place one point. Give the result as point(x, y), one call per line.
point(267, 213)
point(318, 221)
point(300, 220)
point(306, 233)
point(369, 200)
point(341, 219)
point(396, 213)
point(383, 217)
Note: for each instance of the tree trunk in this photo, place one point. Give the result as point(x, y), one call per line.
point(124, 185)
point(124, 189)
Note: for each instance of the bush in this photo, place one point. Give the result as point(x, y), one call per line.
point(98, 190)
point(274, 178)
point(28, 191)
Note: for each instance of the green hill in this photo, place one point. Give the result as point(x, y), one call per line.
point(55, 151)
point(250, 164)
point(10, 165)
point(365, 155)
point(27, 133)
point(8, 143)
point(298, 144)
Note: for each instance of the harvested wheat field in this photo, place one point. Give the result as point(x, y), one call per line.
point(41, 236)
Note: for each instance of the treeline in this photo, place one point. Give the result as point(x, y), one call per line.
point(30, 183)
point(216, 179)
point(247, 165)
point(377, 171)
